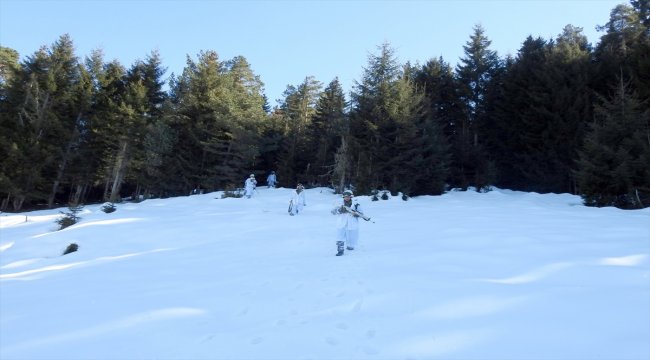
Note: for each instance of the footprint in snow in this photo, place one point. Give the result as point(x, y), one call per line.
point(357, 307)
point(370, 351)
point(208, 338)
point(332, 341)
point(243, 312)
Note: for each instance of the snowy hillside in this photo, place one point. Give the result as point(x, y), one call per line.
point(501, 275)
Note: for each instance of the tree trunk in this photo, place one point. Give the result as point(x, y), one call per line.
point(106, 187)
point(62, 165)
point(5, 203)
point(59, 175)
point(137, 192)
point(118, 171)
point(76, 195)
point(18, 202)
point(341, 165)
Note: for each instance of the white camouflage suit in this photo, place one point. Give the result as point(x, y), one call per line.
point(297, 201)
point(347, 226)
point(249, 186)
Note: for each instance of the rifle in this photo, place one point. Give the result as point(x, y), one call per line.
point(354, 212)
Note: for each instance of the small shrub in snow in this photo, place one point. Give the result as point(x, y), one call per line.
point(232, 194)
point(69, 218)
point(109, 207)
point(70, 249)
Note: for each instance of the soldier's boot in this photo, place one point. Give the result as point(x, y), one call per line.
point(339, 248)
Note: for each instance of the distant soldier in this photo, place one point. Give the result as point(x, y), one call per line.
point(271, 180)
point(298, 200)
point(249, 186)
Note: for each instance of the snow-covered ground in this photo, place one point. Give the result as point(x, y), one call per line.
point(500, 275)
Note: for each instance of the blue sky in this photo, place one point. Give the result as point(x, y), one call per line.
point(286, 41)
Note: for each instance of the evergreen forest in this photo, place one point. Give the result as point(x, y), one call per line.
point(560, 116)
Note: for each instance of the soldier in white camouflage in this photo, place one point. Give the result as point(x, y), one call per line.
point(347, 227)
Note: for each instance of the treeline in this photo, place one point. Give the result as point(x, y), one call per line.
point(560, 116)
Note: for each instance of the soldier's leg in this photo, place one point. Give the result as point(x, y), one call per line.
point(352, 239)
point(340, 241)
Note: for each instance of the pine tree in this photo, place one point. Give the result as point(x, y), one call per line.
point(10, 70)
point(565, 115)
point(149, 151)
point(442, 98)
point(512, 108)
point(272, 132)
point(552, 108)
point(73, 164)
point(478, 66)
point(298, 110)
point(341, 173)
point(9, 67)
point(75, 105)
point(40, 122)
point(613, 167)
point(375, 102)
point(219, 112)
point(440, 113)
point(623, 49)
point(244, 112)
point(85, 164)
point(405, 168)
point(200, 131)
point(328, 128)
point(442, 116)
point(120, 121)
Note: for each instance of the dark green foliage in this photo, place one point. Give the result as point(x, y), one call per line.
point(237, 193)
point(109, 208)
point(38, 119)
point(65, 221)
point(624, 49)
point(216, 117)
point(396, 141)
point(511, 109)
point(77, 131)
point(9, 67)
point(373, 126)
point(384, 195)
point(539, 117)
point(70, 217)
point(70, 249)
point(613, 166)
point(474, 75)
point(328, 128)
point(297, 154)
point(155, 137)
point(441, 114)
